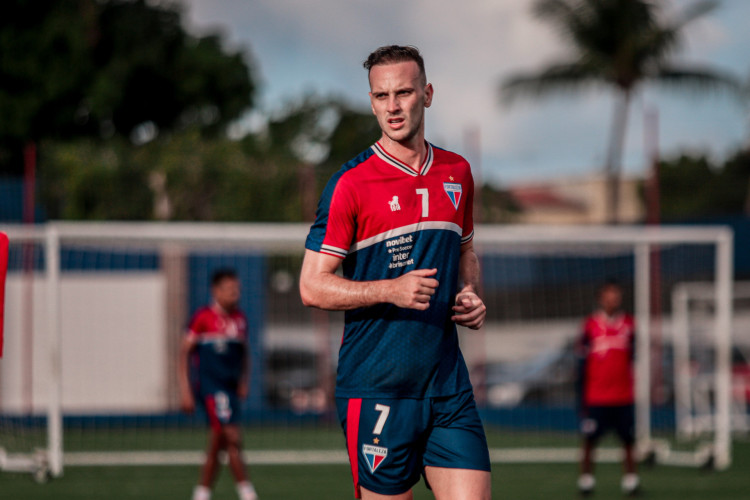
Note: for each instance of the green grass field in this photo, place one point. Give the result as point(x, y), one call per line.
point(326, 482)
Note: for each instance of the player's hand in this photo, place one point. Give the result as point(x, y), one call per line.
point(187, 403)
point(414, 289)
point(470, 310)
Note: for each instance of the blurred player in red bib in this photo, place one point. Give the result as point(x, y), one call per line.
point(606, 351)
point(398, 220)
point(214, 372)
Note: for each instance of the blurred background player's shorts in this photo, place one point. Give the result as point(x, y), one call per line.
point(221, 407)
point(599, 419)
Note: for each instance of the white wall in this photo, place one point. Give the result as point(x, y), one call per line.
point(114, 348)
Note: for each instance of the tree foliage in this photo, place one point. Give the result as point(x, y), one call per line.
point(269, 176)
point(88, 68)
point(93, 180)
point(148, 69)
point(44, 66)
point(694, 186)
point(43, 70)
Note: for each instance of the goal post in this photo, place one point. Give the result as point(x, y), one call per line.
point(110, 300)
point(41, 455)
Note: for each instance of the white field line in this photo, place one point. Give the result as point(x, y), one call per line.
point(316, 457)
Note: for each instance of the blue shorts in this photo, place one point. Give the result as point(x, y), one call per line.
point(222, 408)
point(391, 441)
point(599, 419)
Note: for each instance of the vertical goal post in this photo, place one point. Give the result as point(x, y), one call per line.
point(641, 242)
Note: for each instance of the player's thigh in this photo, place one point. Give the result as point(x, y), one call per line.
point(456, 439)
point(232, 434)
point(223, 405)
point(459, 484)
point(594, 424)
point(222, 408)
point(370, 495)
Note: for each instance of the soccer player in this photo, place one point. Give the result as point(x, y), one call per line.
point(398, 220)
point(606, 351)
point(213, 370)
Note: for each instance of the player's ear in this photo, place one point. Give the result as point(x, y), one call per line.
point(428, 93)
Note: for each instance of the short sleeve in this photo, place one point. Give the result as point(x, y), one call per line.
point(335, 222)
point(195, 327)
point(467, 233)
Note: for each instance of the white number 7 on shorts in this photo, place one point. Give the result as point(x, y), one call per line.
point(384, 411)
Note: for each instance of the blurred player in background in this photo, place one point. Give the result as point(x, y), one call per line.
point(213, 370)
point(606, 351)
point(398, 218)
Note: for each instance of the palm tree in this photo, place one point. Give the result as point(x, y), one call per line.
point(619, 44)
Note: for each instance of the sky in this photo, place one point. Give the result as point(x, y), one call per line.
point(302, 46)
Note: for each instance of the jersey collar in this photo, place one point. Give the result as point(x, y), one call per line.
point(220, 310)
point(617, 317)
point(393, 161)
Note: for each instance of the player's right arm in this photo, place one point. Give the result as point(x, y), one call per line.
point(582, 348)
point(321, 287)
point(187, 402)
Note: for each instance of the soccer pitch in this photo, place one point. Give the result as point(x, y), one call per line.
point(333, 481)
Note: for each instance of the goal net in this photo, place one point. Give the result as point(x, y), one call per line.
point(694, 324)
point(95, 313)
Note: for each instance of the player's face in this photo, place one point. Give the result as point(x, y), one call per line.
point(611, 299)
point(227, 293)
point(399, 96)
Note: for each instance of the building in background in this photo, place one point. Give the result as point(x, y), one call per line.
point(575, 200)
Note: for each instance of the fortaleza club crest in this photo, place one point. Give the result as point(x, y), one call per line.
point(374, 455)
point(453, 190)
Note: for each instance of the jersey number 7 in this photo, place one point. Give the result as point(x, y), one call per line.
point(384, 412)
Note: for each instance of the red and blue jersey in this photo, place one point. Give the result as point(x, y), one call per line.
point(218, 358)
point(607, 345)
point(385, 219)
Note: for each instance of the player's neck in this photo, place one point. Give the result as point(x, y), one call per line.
point(221, 309)
point(611, 314)
point(412, 152)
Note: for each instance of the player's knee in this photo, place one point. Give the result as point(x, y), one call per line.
point(231, 435)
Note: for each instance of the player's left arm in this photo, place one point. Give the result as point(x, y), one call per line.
point(469, 310)
point(244, 382)
point(583, 347)
point(187, 401)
